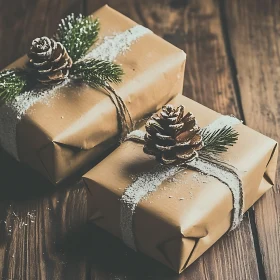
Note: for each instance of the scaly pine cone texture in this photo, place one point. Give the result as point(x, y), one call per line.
point(50, 59)
point(172, 137)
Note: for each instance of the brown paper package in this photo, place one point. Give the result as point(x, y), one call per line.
point(170, 229)
point(81, 123)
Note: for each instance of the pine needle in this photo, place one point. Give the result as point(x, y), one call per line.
point(218, 141)
point(12, 84)
point(97, 73)
point(77, 34)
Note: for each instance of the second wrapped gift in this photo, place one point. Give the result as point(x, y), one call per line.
point(171, 192)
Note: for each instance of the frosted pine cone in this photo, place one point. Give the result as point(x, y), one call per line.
point(50, 59)
point(172, 137)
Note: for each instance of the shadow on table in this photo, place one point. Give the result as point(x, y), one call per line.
point(106, 253)
point(22, 187)
point(19, 182)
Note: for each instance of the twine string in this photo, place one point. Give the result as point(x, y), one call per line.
point(125, 126)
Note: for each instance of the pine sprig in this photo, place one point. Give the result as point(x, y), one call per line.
point(12, 83)
point(218, 141)
point(77, 34)
point(97, 73)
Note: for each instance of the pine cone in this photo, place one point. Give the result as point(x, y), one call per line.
point(50, 59)
point(172, 137)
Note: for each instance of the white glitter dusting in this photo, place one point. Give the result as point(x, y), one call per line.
point(12, 112)
point(146, 183)
point(136, 135)
point(229, 178)
point(117, 44)
point(20, 222)
point(222, 122)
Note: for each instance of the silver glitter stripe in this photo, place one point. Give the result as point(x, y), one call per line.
point(227, 176)
point(136, 135)
point(117, 44)
point(145, 184)
point(150, 181)
point(223, 121)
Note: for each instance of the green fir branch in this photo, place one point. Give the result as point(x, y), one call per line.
point(77, 34)
point(97, 73)
point(12, 83)
point(219, 140)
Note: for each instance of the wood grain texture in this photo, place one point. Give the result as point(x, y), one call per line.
point(36, 222)
point(33, 222)
point(254, 30)
point(23, 20)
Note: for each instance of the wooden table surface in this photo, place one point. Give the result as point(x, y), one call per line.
point(233, 66)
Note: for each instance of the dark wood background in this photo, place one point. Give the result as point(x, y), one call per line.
point(233, 66)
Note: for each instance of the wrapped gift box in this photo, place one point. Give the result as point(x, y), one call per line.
point(60, 134)
point(189, 211)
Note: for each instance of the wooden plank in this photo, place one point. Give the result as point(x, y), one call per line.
point(34, 223)
point(195, 27)
point(42, 229)
point(255, 43)
point(23, 20)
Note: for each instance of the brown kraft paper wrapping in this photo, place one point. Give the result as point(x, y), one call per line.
point(80, 123)
point(188, 213)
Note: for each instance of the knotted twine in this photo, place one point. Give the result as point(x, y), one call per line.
point(110, 47)
point(149, 182)
point(124, 126)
